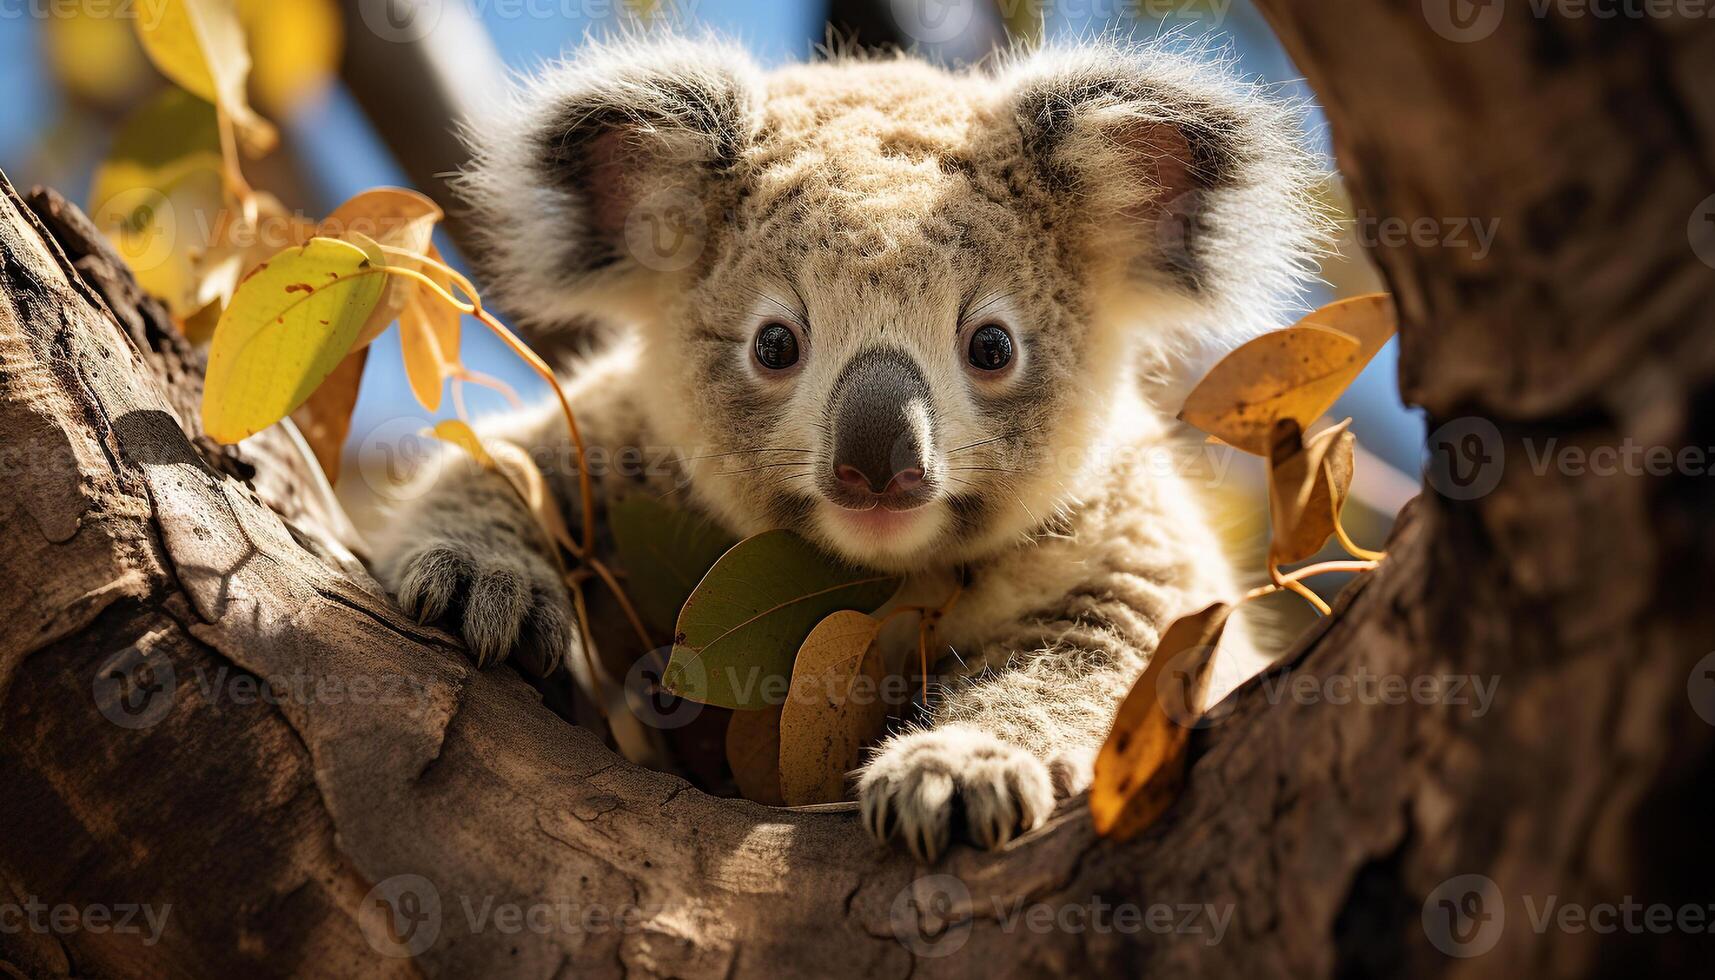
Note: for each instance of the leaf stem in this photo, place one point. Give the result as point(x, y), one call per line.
point(606, 574)
point(530, 357)
point(597, 694)
point(506, 391)
point(1293, 581)
point(1353, 549)
point(541, 367)
point(231, 173)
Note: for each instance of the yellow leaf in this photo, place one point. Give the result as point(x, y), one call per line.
point(753, 751)
point(1308, 480)
point(1141, 767)
point(158, 188)
point(394, 217)
point(93, 53)
point(460, 434)
point(325, 419)
point(833, 711)
point(1296, 373)
point(290, 323)
point(199, 44)
point(236, 246)
point(296, 46)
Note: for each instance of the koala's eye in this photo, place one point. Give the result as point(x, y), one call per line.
point(991, 348)
point(776, 346)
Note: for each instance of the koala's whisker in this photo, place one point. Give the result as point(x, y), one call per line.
point(764, 466)
point(741, 452)
point(1007, 486)
point(1015, 433)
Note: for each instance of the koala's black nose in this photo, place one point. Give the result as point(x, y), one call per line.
point(881, 419)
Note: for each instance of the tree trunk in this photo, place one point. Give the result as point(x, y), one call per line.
point(394, 800)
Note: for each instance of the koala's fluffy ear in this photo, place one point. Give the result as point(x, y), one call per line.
point(603, 171)
point(1182, 176)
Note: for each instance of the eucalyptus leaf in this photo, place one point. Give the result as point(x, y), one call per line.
point(291, 322)
point(741, 629)
point(665, 552)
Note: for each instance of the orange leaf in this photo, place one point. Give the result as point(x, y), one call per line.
point(753, 751)
point(532, 487)
point(394, 217)
point(1141, 766)
point(834, 709)
point(1308, 480)
point(425, 364)
point(443, 320)
point(1297, 373)
point(429, 335)
point(325, 417)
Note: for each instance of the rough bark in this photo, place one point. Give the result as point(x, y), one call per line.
point(1322, 826)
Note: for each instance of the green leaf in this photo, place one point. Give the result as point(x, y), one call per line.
point(288, 326)
point(742, 627)
point(665, 552)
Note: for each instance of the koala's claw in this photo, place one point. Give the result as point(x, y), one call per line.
point(504, 603)
point(918, 783)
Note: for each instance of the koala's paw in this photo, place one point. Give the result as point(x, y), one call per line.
point(505, 601)
point(919, 784)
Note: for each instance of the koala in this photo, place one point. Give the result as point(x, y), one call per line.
point(920, 317)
